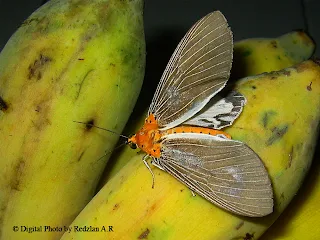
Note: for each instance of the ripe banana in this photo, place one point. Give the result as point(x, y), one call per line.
point(69, 61)
point(251, 57)
point(258, 55)
point(279, 125)
point(301, 217)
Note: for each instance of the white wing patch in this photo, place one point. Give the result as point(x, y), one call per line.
point(219, 113)
point(186, 159)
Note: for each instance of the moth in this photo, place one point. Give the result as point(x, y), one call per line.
point(182, 131)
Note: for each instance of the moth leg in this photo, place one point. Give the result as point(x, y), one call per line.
point(193, 194)
point(147, 165)
point(154, 163)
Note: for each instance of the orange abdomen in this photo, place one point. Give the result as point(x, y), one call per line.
point(192, 129)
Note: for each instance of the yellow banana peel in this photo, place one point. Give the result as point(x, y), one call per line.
point(69, 61)
point(258, 55)
point(279, 123)
point(301, 218)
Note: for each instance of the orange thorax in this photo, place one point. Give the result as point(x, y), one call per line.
point(148, 138)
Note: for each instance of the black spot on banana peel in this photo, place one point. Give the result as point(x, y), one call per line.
point(144, 234)
point(29, 21)
point(248, 236)
point(239, 225)
point(275, 74)
point(89, 124)
point(3, 105)
point(43, 120)
point(287, 73)
point(116, 206)
point(291, 155)
point(35, 70)
point(274, 44)
point(277, 133)
point(39, 24)
point(19, 169)
point(267, 117)
point(81, 155)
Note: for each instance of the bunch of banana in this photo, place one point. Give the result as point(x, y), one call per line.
point(69, 61)
point(279, 125)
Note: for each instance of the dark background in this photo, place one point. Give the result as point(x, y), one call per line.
point(247, 18)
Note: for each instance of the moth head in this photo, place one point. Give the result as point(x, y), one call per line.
point(132, 142)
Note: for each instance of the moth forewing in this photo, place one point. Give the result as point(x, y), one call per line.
point(198, 70)
point(225, 172)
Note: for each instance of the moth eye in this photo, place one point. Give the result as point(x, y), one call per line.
point(132, 145)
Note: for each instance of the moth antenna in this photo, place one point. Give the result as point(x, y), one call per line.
point(111, 151)
point(92, 125)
